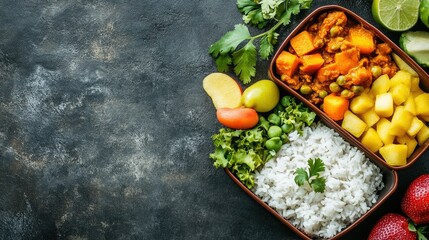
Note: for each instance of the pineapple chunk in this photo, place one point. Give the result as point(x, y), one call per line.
point(422, 104)
point(411, 145)
point(370, 117)
point(371, 140)
point(394, 154)
point(423, 135)
point(382, 127)
point(361, 104)
point(353, 124)
point(401, 77)
point(384, 105)
point(401, 121)
point(415, 81)
point(416, 125)
point(380, 85)
point(410, 105)
point(417, 92)
point(399, 93)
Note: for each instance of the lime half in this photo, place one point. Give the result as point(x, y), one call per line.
point(396, 15)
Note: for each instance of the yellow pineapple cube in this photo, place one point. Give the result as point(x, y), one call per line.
point(370, 117)
point(371, 140)
point(394, 154)
point(410, 105)
point(423, 135)
point(422, 104)
point(380, 85)
point(417, 92)
point(411, 145)
point(416, 125)
point(401, 121)
point(401, 77)
point(399, 93)
point(415, 81)
point(361, 104)
point(384, 104)
point(353, 124)
point(382, 127)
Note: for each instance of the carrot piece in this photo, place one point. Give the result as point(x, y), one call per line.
point(335, 106)
point(287, 63)
point(237, 118)
point(302, 43)
point(328, 72)
point(347, 60)
point(362, 39)
point(311, 63)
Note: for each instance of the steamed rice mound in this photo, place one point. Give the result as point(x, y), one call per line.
point(352, 182)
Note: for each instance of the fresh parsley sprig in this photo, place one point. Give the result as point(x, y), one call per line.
point(258, 13)
point(312, 177)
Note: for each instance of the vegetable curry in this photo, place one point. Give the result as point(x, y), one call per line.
point(334, 54)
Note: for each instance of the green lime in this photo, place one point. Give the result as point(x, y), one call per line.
point(396, 15)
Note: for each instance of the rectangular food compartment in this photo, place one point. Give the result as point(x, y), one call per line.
point(423, 76)
point(390, 180)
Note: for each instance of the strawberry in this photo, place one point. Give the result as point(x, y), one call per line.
point(392, 226)
point(415, 202)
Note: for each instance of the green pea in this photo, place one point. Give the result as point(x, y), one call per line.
point(274, 119)
point(357, 89)
point(334, 31)
point(334, 87)
point(274, 131)
point(341, 80)
point(287, 128)
point(346, 93)
point(305, 89)
point(274, 143)
point(323, 93)
point(376, 71)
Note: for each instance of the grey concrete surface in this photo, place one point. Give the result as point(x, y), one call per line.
point(105, 128)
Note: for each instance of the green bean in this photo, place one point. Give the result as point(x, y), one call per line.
point(274, 143)
point(274, 131)
point(287, 128)
point(274, 119)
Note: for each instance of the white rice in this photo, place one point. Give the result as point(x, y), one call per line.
point(352, 182)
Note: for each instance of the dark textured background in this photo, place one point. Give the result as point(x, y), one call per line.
point(105, 128)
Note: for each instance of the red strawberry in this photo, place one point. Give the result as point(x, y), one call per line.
point(415, 203)
point(392, 226)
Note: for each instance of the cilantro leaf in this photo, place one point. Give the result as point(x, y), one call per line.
point(312, 176)
point(318, 184)
point(258, 13)
point(301, 176)
point(245, 62)
point(230, 40)
point(316, 166)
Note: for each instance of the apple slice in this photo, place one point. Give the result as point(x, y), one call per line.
point(224, 91)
